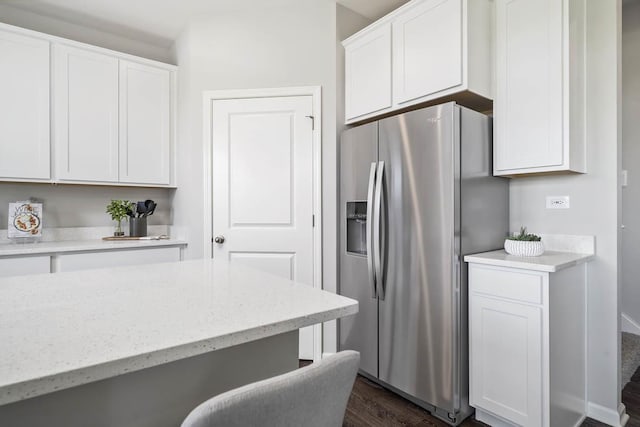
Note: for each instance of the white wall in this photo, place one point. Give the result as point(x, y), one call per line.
point(263, 47)
point(631, 162)
point(348, 22)
point(594, 204)
point(80, 205)
point(73, 30)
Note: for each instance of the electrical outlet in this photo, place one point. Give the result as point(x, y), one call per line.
point(558, 202)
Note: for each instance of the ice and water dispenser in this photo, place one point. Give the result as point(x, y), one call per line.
point(357, 228)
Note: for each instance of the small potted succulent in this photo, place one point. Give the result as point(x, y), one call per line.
point(524, 244)
point(119, 210)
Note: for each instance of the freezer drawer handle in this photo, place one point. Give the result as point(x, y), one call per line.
point(372, 277)
point(376, 230)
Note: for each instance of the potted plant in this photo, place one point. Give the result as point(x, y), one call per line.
point(524, 244)
point(119, 210)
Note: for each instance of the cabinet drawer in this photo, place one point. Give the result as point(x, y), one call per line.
point(90, 260)
point(508, 284)
point(24, 265)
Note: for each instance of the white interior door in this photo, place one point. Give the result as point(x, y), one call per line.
point(263, 187)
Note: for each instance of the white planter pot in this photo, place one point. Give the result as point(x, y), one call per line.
point(523, 248)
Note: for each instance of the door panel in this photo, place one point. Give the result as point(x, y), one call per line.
point(359, 149)
point(86, 115)
point(145, 124)
point(529, 84)
point(427, 48)
point(279, 264)
point(24, 88)
point(506, 359)
point(417, 329)
point(261, 175)
point(263, 187)
point(368, 73)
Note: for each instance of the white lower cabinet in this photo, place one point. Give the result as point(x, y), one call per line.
point(527, 345)
point(507, 360)
point(21, 266)
point(120, 258)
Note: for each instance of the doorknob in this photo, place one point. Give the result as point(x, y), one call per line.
point(219, 239)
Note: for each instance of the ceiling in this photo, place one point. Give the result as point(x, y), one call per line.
point(160, 22)
point(372, 9)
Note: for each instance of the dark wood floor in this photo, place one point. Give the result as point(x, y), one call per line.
point(372, 405)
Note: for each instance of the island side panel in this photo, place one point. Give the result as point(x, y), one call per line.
point(159, 396)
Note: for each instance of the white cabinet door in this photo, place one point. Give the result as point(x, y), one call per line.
point(505, 353)
point(24, 265)
point(540, 72)
point(86, 115)
point(427, 49)
point(368, 73)
point(108, 259)
point(24, 107)
point(145, 124)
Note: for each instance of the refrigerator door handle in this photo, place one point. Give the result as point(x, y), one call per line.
point(369, 231)
point(376, 230)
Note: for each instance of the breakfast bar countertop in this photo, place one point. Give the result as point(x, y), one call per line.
point(67, 329)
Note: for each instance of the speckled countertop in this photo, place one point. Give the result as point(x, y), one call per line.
point(550, 261)
point(66, 329)
point(41, 248)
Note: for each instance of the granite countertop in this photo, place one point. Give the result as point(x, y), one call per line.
point(8, 248)
point(67, 329)
point(550, 261)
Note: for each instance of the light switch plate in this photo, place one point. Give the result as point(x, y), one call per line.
point(558, 202)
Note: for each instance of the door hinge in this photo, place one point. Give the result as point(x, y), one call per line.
point(313, 220)
point(313, 122)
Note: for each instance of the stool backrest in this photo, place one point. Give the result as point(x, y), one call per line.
point(313, 396)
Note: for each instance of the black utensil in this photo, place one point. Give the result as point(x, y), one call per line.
point(148, 205)
point(141, 209)
point(130, 213)
point(151, 208)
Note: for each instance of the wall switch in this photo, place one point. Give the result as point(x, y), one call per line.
point(624, 178)
point(558, 202)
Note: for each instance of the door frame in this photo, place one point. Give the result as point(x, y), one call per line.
point(209, 97)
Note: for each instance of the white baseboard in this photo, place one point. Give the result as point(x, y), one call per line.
point(608, 416)
point(629, 325)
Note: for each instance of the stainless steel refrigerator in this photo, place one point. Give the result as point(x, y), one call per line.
point(416, 195)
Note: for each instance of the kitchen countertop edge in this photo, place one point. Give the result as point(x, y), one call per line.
point(550, 261)
point(64, 246)
point(16, 392)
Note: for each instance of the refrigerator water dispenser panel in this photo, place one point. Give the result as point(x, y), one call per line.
point(357, 228)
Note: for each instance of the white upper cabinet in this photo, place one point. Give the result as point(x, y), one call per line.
point(425, 64)
point(439, 50)
point(24, 107)
point(145, 124)
point(368, 72)
point(539, 106)
point(81, 114)
point(85, 115)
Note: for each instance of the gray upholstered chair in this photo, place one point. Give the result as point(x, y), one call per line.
point(313, 396)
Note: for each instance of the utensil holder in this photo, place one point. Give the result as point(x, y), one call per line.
point(138, 227)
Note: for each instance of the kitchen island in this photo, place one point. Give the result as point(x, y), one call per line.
point(143, 345)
